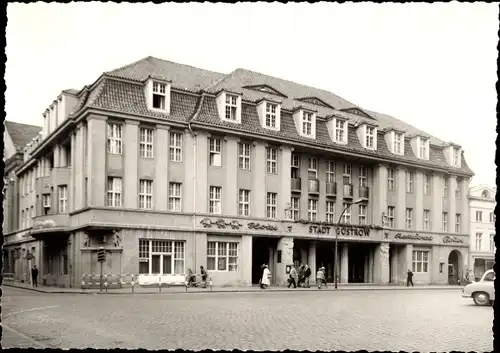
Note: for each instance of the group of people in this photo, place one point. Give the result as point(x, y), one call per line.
point(191, 277)
point(301, 278)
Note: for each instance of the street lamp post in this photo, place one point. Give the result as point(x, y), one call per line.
point(335, 265)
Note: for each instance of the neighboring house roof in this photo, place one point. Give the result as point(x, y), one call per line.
point(21, 134)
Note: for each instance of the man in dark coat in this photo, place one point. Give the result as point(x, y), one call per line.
point(307, 274)
point(34, 276)
point(409, 278)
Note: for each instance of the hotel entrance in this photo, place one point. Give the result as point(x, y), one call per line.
point(325, 257)
point(264, 251)
point(358, 255)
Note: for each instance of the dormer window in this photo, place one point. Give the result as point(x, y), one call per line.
point(456, 157)
point(231, 107)
point(307, 122)
point(271, 115)
point(423, 148)
point(370, 137)
point(398, 143)
point(340, 131)
point(159, 95)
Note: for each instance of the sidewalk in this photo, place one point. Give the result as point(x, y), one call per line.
point(182, 289)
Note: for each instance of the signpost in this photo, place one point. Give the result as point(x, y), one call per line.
point(101, 257)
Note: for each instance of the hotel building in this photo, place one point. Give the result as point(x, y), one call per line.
point(170, 167)
point(482, 229)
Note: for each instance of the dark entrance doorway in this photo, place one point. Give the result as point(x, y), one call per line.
point(357, 255)
point(325, 256)
point(454, 267)
point(261, 255)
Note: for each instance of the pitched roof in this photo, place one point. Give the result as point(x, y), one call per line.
point(183, 77)
point(21, 134)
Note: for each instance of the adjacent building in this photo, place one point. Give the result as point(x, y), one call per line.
point(170, 167)
point(482, 229)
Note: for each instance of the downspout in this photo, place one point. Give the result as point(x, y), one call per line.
point(195, 115)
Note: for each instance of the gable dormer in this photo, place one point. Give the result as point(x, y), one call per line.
point(157, 93)
point(395, 139)
point(229, 106)
point(305, 122)
point(337, 129)
point(421, 146)
point(266, 89)
point(367, 135)
point(269, 114)
point(453, 154)
point(315, 101)
point(357, 111)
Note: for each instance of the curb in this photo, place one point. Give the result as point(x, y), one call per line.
point(274, 290)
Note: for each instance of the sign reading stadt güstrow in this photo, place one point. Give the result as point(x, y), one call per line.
point(341, 230)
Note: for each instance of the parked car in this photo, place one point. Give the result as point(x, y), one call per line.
point(482, 292)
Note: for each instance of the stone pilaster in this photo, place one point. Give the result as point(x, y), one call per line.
point(78, 168)
point(202, 187)
point(311, 260)
point(71, 187)
point(344, 265)
point(370, 266)
point(130, 161)
point(419, 201)
point(464, 191)
point(258, 194)
point(452, 203)
point(381, 264)
point(63, 161)
point(394, 264)
point(191, 172)
point(161, 169)
point(57, 158)
point(366, 276)
point(401, 198)
point(230, 160)
point(285, 245)
point(437, 203)
point(379, 187)
point(285, 193)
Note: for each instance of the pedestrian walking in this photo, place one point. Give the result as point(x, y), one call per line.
point(301, 275)
point(409, 278)
point(293, 277)
point(266, 278)
point(321, 278)
point(262, 268)
point(307, 275)
point(34, 276)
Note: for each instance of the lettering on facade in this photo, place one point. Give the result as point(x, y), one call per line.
point(44, 224)
point(259, 226)
point(447, 240)
point(319, 230)
point(220, 223)
point(342, 230)
point(413, 236)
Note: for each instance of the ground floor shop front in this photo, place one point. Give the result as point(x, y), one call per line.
point(234, 258)
point(480, 263)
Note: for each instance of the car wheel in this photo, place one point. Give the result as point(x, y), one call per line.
point(481, 298)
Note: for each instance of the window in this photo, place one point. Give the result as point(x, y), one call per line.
point(390, 179)
point(492, 217)
point(340, 131)
point(347, 174)
point(479, 216)
point(445, 188)
point(222, 256)
point(420, 261)
point(114, 192)
point(409, 181)
point(307, 121)
point(244, 203)
point(271, 203)
point(330, 171)
point(312, 210)
point(114, 138)
point(272, 160)
point(244, 156)
point(174, 197)
point(427, 184)
point(423, 148)
point(445, 221)
point(456, 157)
point(312, 168)
point(362, 177)
point(159, 95)
point(492, 242)
point(62, 192)
point(485, 194)
point(458, 219)
point(390, 216)
point(457, 190)
point(479, 239)
point(330, 212)
point(346, 218)
point(362, 214)
point(166, 257)
point(146, 143)
point(215, 152)
point(215, 200)
point(427, 218)
point(370, 137)
point(271, 115)
point(231, 105)
point(295, 167)
point(408, 217)
point(46, 200)
point(397, 146)
point(175, 150)
point(295, 207)
point(146, 194)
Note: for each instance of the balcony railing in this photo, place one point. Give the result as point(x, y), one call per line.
point(331, 189)
point(296, 184)
point(364, 192)
point(313, 186)
point(348, 191)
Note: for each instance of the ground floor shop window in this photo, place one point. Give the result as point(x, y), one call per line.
point(420, 260)
point(164, 257)
point(222, 256)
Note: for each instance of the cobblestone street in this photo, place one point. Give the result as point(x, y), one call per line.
point(424, 320)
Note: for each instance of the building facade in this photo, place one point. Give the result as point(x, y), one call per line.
point(482, 229)
point(171, 167)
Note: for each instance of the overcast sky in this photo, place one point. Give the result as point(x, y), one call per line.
point(430, 65)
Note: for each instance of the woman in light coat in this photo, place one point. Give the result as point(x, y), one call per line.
point(265, 281)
